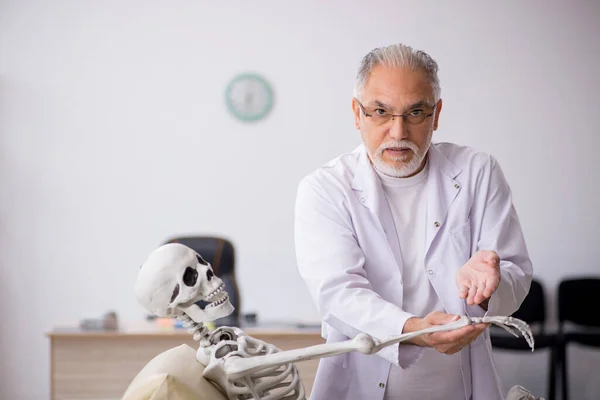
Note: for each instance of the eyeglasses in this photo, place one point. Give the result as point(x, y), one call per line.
point(380, 116)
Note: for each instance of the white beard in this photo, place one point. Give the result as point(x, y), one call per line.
point(408, 167)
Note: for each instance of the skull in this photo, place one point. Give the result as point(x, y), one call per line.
point(174, 278)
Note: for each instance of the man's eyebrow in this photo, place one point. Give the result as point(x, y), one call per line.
point(378, 103)
point(419, 104)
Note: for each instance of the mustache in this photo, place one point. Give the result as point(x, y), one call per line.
point(398, 144)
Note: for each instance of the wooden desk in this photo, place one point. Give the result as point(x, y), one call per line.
point(101, 365)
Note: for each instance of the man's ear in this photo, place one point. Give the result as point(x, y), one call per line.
point(436, 119)
point(356, 111)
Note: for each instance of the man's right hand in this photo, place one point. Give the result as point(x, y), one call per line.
point(448, 342)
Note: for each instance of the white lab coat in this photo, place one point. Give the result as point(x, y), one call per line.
point(349, 256)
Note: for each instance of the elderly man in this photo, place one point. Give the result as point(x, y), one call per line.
point(401, 234)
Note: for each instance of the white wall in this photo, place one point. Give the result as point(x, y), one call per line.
point(114, 135)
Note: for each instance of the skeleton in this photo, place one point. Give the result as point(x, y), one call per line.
point(175, 278)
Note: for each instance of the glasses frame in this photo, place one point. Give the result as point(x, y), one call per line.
point(392, 116)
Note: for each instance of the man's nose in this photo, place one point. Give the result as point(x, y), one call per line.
point(398, 129)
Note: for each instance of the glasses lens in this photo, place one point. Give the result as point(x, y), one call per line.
point(378, 116)
point(415, 119)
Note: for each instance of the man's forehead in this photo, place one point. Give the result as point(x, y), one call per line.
point(397, 87)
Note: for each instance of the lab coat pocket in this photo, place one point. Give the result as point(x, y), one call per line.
point(461, 240)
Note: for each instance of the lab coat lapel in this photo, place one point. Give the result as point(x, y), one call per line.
point(369, 191)
point(442, 189)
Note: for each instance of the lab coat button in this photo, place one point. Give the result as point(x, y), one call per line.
point(457, 186)
point(381, 385)
point(430, 272)
point(436, 224)
point(362, 200)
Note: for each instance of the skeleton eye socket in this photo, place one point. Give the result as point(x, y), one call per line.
point(190, 276)
point(201, 260)
point(209, 274)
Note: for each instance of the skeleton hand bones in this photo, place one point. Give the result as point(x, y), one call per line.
point(364, 343)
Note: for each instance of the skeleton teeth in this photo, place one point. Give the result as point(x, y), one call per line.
point(217, 302)
point(217, 291)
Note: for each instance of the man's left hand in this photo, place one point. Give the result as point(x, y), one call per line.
point(479, 278)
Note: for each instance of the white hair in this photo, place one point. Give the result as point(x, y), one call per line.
point(398, 55)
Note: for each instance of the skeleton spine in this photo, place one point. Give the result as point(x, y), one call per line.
point(198, 330)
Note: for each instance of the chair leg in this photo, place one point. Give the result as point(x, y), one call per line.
point(564, 371)
point(552, 373)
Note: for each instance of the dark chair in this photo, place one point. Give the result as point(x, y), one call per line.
point(532, 311)
point(220, 253)
point(578, 318)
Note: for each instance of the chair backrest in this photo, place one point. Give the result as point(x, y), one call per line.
point(579, 300)
point(220, 253)
point(533, 308)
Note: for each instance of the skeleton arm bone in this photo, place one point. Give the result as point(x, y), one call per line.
point(238, 367)
point(462, 322)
